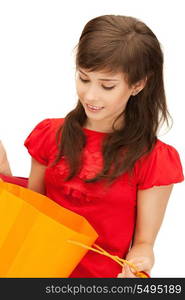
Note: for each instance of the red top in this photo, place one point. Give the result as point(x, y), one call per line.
point(110, 210)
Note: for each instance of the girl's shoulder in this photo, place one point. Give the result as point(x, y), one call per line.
point(160, 149)
point(161, 166)
point(41, 141)
point(161, 144)
point(48, 123)
point(47, 128)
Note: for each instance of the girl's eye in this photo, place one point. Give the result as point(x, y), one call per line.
point(108, 88)
point(83, 80)
point(104, 87)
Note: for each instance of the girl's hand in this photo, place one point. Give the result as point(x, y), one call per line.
point(142, 263)
point(141, 255)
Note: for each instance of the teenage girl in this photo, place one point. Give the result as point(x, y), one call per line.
point(104, 160)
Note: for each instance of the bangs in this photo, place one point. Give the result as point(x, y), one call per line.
point(98, 55)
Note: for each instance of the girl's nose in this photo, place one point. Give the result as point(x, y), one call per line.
point(91, 94)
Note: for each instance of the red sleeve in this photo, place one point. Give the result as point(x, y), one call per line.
point(22, 181)
point(39, 141)
point(161, 167)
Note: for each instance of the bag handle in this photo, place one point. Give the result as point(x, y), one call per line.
point(117, 259)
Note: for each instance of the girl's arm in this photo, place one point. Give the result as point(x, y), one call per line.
point(151, 206)
point(4, 164)
point(36, 178)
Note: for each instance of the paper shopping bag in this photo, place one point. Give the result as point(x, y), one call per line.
point(34, 235)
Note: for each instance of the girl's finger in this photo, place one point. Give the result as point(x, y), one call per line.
point(120, 275)
point(142, 264)
point(129, 273)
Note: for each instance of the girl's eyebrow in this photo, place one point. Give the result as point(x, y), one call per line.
point(104, 79)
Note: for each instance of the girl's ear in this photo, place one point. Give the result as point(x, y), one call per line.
point(139, 86)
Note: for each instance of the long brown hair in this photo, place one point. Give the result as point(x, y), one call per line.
point(119, 43)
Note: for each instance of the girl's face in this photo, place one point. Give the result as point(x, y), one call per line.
point(103, 95)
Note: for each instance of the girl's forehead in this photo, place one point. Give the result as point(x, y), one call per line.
point(102, 73)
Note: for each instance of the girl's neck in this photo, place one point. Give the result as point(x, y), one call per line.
point(99, 126)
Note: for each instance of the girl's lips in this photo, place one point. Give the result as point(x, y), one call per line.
point(94, 108)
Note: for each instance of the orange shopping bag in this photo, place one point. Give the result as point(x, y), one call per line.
point(34, 235)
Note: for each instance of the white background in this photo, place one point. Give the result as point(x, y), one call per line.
point(37, 82)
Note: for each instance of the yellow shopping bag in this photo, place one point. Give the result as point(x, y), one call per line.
point(34, 235)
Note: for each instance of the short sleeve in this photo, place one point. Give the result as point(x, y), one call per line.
point(39, 141)
point(161, 167)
